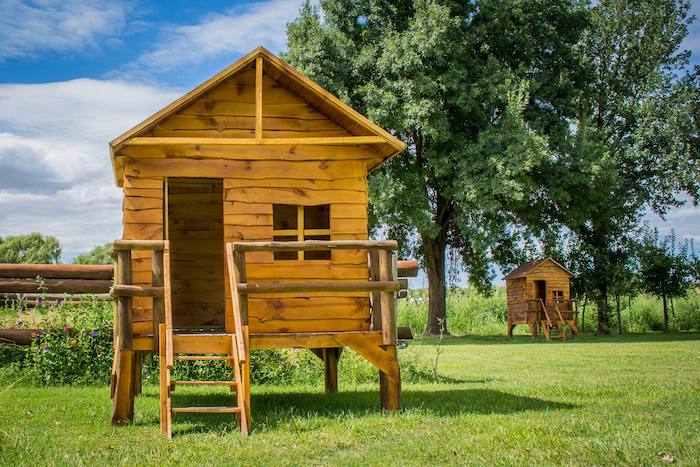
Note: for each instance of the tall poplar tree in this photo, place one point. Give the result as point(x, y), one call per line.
point(635, 146)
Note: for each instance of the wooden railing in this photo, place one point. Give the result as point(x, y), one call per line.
point(382, 283)
point(123, 290)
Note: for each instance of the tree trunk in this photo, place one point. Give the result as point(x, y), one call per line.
point(434, 251)
point(663, 297)
point(583, 316)
point(603, 314)
point(629, 311)
point(619, 315)
point(673, 315)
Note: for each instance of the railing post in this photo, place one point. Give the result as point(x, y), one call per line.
point(124, 318)
point(158, 302)
point(240, 275)
point(376, 296)
point(388, 300)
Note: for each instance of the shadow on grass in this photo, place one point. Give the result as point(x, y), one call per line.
point(271, 410)
point(587, 338)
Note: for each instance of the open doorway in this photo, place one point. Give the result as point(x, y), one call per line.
point(541, 291)
point(196, 234)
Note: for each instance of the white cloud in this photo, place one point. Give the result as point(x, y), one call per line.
point(234, 32)
point(29, 27)
point(55, 172)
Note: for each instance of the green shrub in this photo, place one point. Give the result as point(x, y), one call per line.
point(12, 354)
point(468, 312)
point(75, 346)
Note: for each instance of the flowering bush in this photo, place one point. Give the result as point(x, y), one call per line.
point(75, 346)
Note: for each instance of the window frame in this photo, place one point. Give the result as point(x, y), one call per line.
point(300, 232)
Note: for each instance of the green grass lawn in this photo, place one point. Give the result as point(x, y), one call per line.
point(618, 400)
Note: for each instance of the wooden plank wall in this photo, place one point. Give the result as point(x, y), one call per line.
point(229, 111)
point(516, 294)
point(300, 175)
point(196, 233)
point(556, 278)
point(248, 217)
point(143, 220)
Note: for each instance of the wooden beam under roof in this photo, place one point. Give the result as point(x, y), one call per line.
point(180, 141)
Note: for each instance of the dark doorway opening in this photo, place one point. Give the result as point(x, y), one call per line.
point(196, 234)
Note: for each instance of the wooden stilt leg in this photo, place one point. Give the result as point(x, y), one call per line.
point(574, 328)
point(113, 382)
point(138, 373)
point(511, 326)
point(390, 389)
point(123, 403)
point(165, 414)
point(330, 359)
point(245, 375)
point(533, 329)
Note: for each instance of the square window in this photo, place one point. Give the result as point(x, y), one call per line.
point(284, 217)
point(320, 254)
point(317, 217)
point(284, 255)
point(299, 223)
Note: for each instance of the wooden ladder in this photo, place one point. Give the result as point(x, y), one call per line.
point(188, 347)
point(173, 347)
point(552, 328)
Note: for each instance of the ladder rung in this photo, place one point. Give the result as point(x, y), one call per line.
point(205, 383)
point(203, 357)
point(206, 409)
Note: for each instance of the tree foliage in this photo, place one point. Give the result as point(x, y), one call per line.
point(32, 248)
point(635, 140)
point(666, 268)
point(483, 92)
point(98, 255)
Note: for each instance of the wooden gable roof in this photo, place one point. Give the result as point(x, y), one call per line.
point(339, 124)
point(526, 268)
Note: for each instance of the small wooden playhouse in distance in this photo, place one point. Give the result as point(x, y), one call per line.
point(538, 294)
point(245, 227)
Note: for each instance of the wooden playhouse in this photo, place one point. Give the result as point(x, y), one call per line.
point(538, 294)
point(245, 227)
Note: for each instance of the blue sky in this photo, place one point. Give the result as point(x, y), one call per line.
point(74, 74)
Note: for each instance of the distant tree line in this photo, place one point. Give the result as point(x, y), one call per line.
point(527, 122)
point(36, 248)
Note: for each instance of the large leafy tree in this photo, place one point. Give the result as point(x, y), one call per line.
point(32, 248)
point(636, 137)
point(483, 93)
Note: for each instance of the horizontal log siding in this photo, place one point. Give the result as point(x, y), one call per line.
point(253, 179)
point(229, 111)
point(248, 217)
point(516, 294)
point(556, 278)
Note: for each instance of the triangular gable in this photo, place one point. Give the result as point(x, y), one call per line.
point(289, 87)
point(527, 268)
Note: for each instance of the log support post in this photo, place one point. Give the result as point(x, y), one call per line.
point(126, 366)
point(330, 362)
point(157, 280)
point(390, 388)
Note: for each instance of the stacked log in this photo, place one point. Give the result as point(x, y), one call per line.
point(56, 278)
